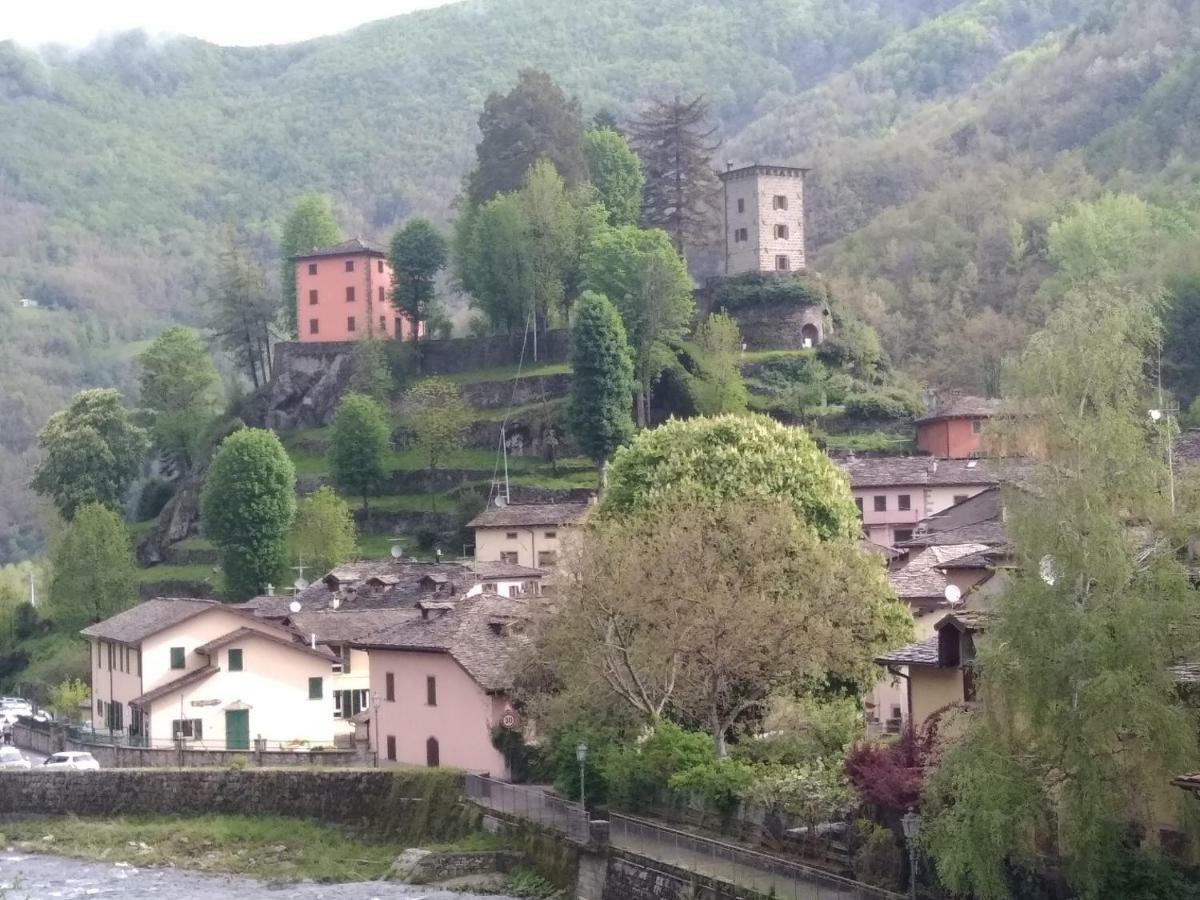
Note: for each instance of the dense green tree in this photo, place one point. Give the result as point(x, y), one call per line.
point(178, 392)
point(491, 258)
point(647, 281)
point(358, 446)
point(242, 314)
point(598, 412)
point(418, 253)
point(91, 452)
point(675, 142)
point(324, 535)
point(1082, 723)
point(309, 225)
point(720, 388)
point(616, 172)
point(731, 457)
point(1181, 338)
point(437, 416)
point(534, 120)
point(247, 507)
point(93, 568)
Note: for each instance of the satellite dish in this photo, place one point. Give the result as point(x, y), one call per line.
point(397, 551)
point(953, 594)
point(299, 584)
point(1048, 570)
point(294, 606)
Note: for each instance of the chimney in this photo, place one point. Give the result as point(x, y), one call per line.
point(336, 602)
point(312, 639)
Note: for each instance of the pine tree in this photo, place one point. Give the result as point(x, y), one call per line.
point(602, 389)
point(675, 144)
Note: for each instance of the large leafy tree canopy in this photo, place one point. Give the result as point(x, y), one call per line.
point(247, 508)
point(616, 172)
point(93, 569)
point(1085, 724)
point(178, 391)
point(324, 535)
point(731, 457)
point(437, 416)
point(309, 225)
point(91, 453)
point(418, 253)
point(358, 446)
point(534, 120)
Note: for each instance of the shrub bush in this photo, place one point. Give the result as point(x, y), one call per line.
point(882, 404)
point(720, 784)
point(879, 859)
point(639, 775)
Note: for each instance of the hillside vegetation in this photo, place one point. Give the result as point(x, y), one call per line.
point(944, 137)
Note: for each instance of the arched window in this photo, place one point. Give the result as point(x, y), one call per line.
point(433, 756)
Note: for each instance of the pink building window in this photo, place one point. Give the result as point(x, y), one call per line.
point(880, 501)
point(380, 262)
point(391, 747)
point(381, 295)
point(430, 691)
point(312, 297)
point(433, 756)
point(383, 323)
point(904, 502)
point(389, 686)
point(350, 324)
point(350, 294)
point(314, 327)
point(349, 265)
point(312, 268)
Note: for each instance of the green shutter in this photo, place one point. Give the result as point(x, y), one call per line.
point(316, 688)
point(235, 660)
point(177, 658)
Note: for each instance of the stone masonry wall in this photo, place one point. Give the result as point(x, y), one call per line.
point(632, 877)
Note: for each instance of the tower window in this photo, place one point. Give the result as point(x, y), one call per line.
point(782, 263)
point(381, 294)
point(313, 326)
point(779, 202)
point(312, 298)
point(350, 323)
point(312, 268)
point(740, 235)
point(741, 204)
point(350, 294)
point(350, 264)
point(781, 232)
point(380, 266)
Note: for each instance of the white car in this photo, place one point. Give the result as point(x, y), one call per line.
point(71, 761)
point(12, 758)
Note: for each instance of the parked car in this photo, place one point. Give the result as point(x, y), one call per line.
point(71, 761)
point(12, 758)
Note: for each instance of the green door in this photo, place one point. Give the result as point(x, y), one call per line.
point(237, 729)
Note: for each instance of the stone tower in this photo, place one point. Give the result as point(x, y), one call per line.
point(764, 219)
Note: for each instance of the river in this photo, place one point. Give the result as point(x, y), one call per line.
point(44, 877)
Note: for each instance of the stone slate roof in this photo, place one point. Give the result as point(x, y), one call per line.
point(354, 245)
point(376, 584)
point(922, 653)
point(139, 622)
point(969, 619)
point(919, 471)
point(478, 632)
point(502, 571)
point(164, 690)
point(527, 515)
point(984, 559)
point(991, 534)
point(977, 520)
point(962, 407)
point(243, 633)
point(921, 577)
point(343, 626)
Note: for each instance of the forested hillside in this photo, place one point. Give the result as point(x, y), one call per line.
point(944, 137)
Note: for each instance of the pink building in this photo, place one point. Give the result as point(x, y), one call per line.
point(894, 493)
point(343, 293)
point(442, 683)
point(954, 430)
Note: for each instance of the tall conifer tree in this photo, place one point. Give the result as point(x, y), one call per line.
point(602, 388)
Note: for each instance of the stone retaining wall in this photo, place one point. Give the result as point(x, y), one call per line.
point(344, 796)
point(632, 877)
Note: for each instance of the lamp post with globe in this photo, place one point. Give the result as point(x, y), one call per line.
point(911, 823)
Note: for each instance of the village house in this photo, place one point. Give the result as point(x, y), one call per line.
point(343, 293)
point(526, 534)
point(208, 674)
point(894, 493)
point(954, 429)
point(443, 681)
point(361, 598)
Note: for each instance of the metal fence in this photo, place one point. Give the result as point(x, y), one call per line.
point(747, 869)
point(530, 803)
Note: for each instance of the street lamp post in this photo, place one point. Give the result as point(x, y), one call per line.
point(375, 716)
point(581, 752)
point(911, 823)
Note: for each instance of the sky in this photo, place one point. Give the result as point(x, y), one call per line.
point(78, 23)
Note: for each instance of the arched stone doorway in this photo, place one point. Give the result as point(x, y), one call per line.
point(810, 335)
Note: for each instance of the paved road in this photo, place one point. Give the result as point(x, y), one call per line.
point(57, 878)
